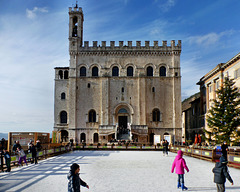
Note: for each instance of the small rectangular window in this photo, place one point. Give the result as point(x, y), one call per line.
point(217, 85)
point(210, 88)
point(237, 73)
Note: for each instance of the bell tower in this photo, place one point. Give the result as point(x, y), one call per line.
point(75, 28)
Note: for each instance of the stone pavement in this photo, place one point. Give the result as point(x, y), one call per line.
point(114, 171)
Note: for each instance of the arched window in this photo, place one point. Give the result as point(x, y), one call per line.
point(63, 96)
point(149, 71)
point(155, 115)
point(92, 116)
point(130, 71)
point(83, 72)
point(162, 71)
point(122, 110)
point(95, 72)
point(60, 74)
point(65, 74)
point(115, 71)
point(63, 117)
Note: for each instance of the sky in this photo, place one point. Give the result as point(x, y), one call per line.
point(34, 40)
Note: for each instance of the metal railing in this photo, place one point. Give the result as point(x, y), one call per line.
point(43, 154)
point(209, 154)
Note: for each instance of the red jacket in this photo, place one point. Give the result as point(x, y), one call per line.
point(179, 163)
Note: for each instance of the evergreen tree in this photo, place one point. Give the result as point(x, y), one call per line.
point(224, 116)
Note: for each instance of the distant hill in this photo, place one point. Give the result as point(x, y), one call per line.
point(4, 135)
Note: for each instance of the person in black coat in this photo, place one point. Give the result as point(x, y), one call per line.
point(224, 148)
point(74, 181)
point(15, 146)
point(33, 150)
point(221, 173)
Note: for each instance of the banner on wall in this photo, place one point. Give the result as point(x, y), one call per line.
point(54, 137)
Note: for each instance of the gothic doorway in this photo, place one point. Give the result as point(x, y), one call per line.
point(64, 136)
point(95, 137)
point(122, 121)
point(83, 138)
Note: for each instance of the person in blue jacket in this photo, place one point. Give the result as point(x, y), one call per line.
point(7, 159)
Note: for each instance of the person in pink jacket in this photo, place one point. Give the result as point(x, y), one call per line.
point(180, 164)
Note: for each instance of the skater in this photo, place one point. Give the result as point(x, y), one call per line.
point(32, 149)
point(7, 159)
point(224, 148)
point(15, 146)
point(22, 156)
point(38, 145)
point(180, 164)
point(221, 173)
point(165, 147)
point(74, 181)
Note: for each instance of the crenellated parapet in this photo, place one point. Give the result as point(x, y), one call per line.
point(73, 10)
point(129, 48)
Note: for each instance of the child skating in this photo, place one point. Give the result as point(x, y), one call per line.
point(74, 181)
point(221, 173)
point(180, 165)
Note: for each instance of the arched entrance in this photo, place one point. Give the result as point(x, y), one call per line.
point(64, 136)
point(83, 138)
point(95, 137)
point(167, 137)
point(123, 130)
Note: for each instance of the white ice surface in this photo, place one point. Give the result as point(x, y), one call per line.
point(114, 171)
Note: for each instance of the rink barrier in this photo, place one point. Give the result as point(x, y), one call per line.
point(209, 154)
point(43, 154)
point(117, 147)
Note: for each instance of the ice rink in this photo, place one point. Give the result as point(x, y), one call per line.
point(114, 171)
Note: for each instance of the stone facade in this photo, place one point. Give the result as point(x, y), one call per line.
point(213, 80)
point(108, 87)
point(191, 118)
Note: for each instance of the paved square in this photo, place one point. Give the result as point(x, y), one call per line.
point(114, 171)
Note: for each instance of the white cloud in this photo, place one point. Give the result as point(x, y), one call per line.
point(166, 5)
point(31, 14)
point(208, 39)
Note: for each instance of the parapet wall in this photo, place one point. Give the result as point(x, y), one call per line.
point(130, 46)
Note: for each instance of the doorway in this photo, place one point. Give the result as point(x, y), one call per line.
point(122, 121)
point(123, 131)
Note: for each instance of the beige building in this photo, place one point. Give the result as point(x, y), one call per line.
point(212, 81)
point(124, 91)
